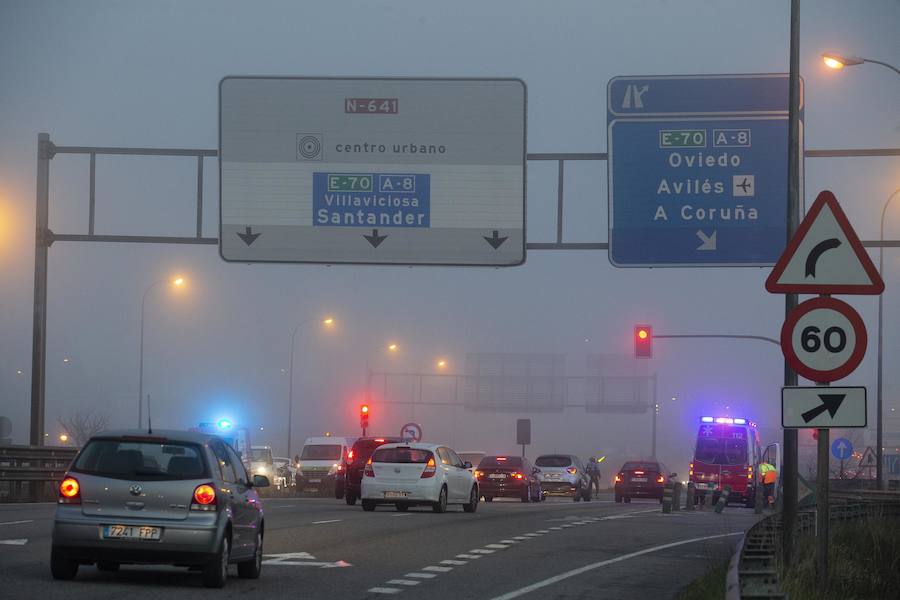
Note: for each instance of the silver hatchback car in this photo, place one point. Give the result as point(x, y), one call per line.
point(167, 497)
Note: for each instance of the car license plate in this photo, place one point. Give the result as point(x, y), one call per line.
point(552, 476)
point(310, 489)
point(497, 476)
point(639, 479)
point(315, 481)
point(131, 532)
point(396, 494)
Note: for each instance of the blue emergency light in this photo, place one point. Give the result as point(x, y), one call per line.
point(224, 424)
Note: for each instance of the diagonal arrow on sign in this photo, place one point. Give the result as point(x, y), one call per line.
point(830, 402)
point(709, 241)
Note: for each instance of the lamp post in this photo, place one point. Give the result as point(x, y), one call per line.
point(177, 282)
point(834, 60)
point(879, 408)
point(327, 322)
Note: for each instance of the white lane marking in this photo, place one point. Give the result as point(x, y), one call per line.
point(328, 521)
point(556, 529)
point(420, 575)
point(17, 522)
point(403, 582)
point(508, 542)
point(544, 530)
point(455, 563)
point(481, 551)
point(16, 542)
point(557, 578)
point(566, 526)
point(580, 523)
point(437, 569)
point(287, 555)
point(497, 546)
point(402, 515)
point(384, 590)
point(520, 538)
point(535, 534)
point(468, 556)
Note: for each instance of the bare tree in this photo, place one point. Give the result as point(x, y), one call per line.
point(81, 426)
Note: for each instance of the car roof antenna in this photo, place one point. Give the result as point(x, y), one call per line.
point(149, 420)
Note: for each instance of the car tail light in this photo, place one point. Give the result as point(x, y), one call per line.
point(381, 440)
point(638, 472)
point(660, 479)
point(517, 475)
point(204, 497)
point(749, 472)
point(619, 478)
point(69, 491)
point(572, 470)
point(692, 469)
point(429, 469)
point(350, 455)
point(479, 474)
point(369, 471)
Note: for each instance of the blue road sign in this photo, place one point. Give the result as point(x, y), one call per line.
point(842, 448)
point(697, 170)
point(892, 464)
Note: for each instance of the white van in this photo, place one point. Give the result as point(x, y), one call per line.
point(261, 462)
point(321, 460)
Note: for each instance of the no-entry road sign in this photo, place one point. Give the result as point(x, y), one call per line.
point(823, 407)
point(697, 175)
point(823, 339)
point(378, 170)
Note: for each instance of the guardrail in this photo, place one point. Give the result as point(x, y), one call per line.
point(30, 473)
point(753, 571)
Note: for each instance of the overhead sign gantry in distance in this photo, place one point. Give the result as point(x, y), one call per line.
point(697, 170)
point(372, 170)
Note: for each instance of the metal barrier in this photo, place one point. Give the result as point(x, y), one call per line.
point(753, 571)
point(30, 473)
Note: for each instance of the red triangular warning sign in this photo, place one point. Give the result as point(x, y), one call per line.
point(825, 256)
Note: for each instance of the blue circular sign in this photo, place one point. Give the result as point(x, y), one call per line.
point(842, 448)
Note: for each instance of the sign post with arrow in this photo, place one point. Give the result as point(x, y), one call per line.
point(824, 339)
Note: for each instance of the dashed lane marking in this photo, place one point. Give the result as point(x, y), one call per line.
point(453, 562)
point(481, 551)
point(327, 521)
point(546, 530)
point(532, 534)
point(497, 546)
point(421, 575)
point(508, 542)
point(520, 538)
point(384, 590)
point(468, 556)
point(402, 515)
point(556, 529)
point(403, 582)
point(437, 569)
point(557, 578)
point(17, 522)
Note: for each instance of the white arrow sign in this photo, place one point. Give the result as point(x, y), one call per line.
point(823, 407)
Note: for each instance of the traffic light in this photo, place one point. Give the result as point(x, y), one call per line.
point(643, 341)
point(364, 417)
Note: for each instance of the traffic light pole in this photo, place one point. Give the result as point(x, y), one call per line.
point(789, 464)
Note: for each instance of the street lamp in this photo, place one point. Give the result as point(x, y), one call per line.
point(177, 282)
point(63, 438)
point(879, 407)
point(834, 60)
point(326, 322)
point(441, 364)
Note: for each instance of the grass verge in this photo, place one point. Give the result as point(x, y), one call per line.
point(709, 586)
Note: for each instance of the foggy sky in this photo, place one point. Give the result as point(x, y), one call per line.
point(146, 74)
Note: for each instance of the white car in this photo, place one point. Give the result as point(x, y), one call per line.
point(406, 474)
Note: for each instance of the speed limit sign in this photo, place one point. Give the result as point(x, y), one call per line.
point(824, 339)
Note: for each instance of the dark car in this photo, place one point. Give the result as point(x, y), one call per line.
point(347, 485)
point(641, 479)
point(170, 497)
point(508, 477)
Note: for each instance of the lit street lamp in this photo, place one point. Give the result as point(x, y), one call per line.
point(177, 282)
point(63, 438)
point(834, 60)
point(327, 322)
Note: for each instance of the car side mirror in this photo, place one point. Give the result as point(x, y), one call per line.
point(467, 465)
point(260, 481)
point(673, 475)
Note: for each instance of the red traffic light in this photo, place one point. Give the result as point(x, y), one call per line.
point(643, 341)
point(364, 409)
point(364, 417)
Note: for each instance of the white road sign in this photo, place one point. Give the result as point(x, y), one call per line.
point(823, 407)
point(385, 171)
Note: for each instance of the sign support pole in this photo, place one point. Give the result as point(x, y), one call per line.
point(822, 510)
point(789, 467)
point(39, 329)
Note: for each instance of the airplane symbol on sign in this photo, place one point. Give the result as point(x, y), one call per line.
point(744, 185)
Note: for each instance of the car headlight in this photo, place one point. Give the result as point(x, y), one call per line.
point(334, 469)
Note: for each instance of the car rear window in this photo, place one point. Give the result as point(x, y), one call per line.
point(321, 452)
point(261, 454)
point(142, 460)
point(362, 449)
point(401, 455)
point(553, 461)
point(500, 461)
point(641, 466)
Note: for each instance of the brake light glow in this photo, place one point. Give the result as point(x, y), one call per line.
point(749, 472)
point(660, 479)
point(638, 472)
point(204, 497)
point(378, 440)
point(479, 474)
point(369, 471)
point(429, 469)
point(692, 469)
point(517, 475)
point(501, 458)
point(619, 478)
point(69, 491)
point(572, 470)
point(350, 455)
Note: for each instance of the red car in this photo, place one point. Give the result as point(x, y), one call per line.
point(355, 462)
point(508, 477)
point(641, 479)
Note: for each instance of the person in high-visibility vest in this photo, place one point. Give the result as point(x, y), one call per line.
point(769, 475)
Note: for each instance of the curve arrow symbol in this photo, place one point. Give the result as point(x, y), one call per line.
point(817, 251)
